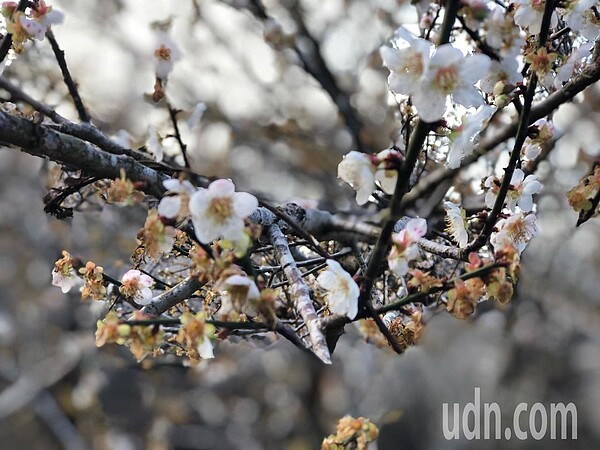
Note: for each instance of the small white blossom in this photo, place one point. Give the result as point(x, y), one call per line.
point(520, 193)
point(529, 15)
point(358, 171)
point(516, 230)
point(464, 138)
point(171, 206)
point(407, 63)
point(166, 54)
point(42, 17)
point(32, 27)
point(581, 17)
point(65, 281)
point(457, 223)
point(506, 70)
point(449, 74)
point(544, 133)
point(153, 145)
point(404, 248)
point(136, 285)
point(219, 211)
point(502, 34)
point(342, 290)
point(240, 294)
point(573, 64)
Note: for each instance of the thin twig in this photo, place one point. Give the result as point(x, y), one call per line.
point(71, 86)
point(173, 115)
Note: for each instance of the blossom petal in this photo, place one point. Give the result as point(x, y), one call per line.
point(431, 104)
point(205, 349)
point(467, 96)
point(222, 188)
point(244, 204)
point(169, 207)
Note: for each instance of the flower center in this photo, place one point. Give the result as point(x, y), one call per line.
point(414, 64)
point(163, 53)
point(518, 230)
point(221, 209)
point(446, 79)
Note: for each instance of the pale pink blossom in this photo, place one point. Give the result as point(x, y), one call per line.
point(404, 248)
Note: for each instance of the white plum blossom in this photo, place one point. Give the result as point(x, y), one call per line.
point(166, 54)
point(464, 137)
point(361, 171)
point(507, 70)
point(153, 145)
point(581, 18)
point(66, 280)
point(240, 294)
point(42, 17)
point(172, 206)
point(516, 231)
point(519, 194)
point(407, 63)
point(502, 34)
point(544, 132)
point(404, 248)
point(456, 223)
point(573, 64)
point(219, 211)
point(64, 275)
point(32, 27)
point(449, 74)
point(358, 171)
point(136, 285)
point(529, 15)
point(342, 290)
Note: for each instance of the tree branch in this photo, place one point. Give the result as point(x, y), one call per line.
point(300, 293)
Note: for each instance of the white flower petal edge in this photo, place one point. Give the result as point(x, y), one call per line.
point(342, 290)
point(358, 171)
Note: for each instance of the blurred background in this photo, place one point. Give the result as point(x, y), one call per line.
point(273, 128)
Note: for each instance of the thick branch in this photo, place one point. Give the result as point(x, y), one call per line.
point(300, 293)
point(43, 141)
point(179, 293)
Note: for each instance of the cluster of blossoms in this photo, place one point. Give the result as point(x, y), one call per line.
point(362, 171)
point(520, 192)
point(31, 23)
point(141, 340)
point(456, 93)
point(63, 274)
point(431, 75)
point(351, 433)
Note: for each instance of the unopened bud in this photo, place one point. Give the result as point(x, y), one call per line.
point(503, 87)
point(501, 100)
